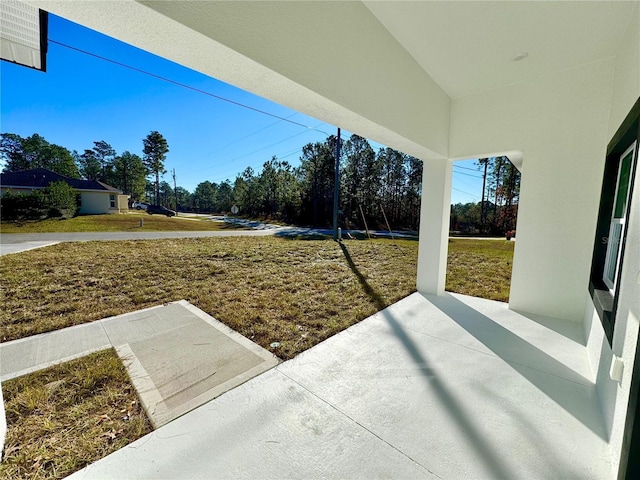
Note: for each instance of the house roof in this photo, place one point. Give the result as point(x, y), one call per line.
point(41, 177)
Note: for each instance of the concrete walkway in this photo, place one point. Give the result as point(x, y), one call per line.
point(177, 356)
point(432, 387)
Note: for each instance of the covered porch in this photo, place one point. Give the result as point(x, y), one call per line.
point(432, 387)
point(442, 384)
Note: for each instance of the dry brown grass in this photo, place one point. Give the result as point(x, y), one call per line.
point(68, 416)
point(480, 268)
point(295, 292)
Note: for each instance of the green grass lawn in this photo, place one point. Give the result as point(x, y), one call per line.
point(295, 292)
point(129, 222)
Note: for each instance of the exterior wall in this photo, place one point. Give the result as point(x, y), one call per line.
point(560, 124)
point(94, 203)
point(627, 74)
point(123, 203)
point(614, 396)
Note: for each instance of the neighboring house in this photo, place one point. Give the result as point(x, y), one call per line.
point(555, 86)
point(94, 197)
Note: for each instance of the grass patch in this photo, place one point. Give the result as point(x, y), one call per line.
point(117, 223)
point(480, 268)
point(295, 292)
point(65, 417)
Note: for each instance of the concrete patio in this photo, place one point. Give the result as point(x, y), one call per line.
point(433, 387)
point(177, 356)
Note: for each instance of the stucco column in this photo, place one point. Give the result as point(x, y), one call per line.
point(434, 225)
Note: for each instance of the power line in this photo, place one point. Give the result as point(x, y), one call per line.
point(226, 162)
point(465, 168)
point(466, 193)
point(183, 85)
point(468, 174)
point(279, 157)
point(246, 136)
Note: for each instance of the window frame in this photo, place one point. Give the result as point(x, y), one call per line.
point(617, 223)
point(604, 298)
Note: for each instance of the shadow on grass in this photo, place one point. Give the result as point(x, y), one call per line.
point(378, 299)
point(456, 412)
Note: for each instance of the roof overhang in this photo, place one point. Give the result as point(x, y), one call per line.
point(23, 34)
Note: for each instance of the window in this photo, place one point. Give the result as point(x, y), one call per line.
point(618, 217)
point(618, 182)
point(112, 200)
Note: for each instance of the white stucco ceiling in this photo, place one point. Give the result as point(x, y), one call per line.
point(467, 46)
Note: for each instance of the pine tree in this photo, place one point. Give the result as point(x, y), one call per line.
point(155, 152)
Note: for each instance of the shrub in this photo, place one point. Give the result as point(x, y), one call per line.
point(58, 199)
point(23, 206)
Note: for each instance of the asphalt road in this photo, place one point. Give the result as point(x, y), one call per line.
point(18, 242)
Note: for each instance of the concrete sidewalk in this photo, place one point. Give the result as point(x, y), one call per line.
point(431, 387)
point(177, 356)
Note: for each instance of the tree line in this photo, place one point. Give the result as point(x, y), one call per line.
point(376, 188)
point(496, 213)
point(373, 185)
point(127, 171)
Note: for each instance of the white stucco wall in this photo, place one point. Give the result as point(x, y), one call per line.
point(627, 74)
point(560, 124)
point(95, 203)
point(434, 226)
point(614, 396)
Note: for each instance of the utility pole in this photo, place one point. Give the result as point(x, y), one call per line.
point(175, 190)
point(485, 162)
point(336, 188)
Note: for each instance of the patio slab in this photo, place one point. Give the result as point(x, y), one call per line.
point(431, 387)
point(177, 356)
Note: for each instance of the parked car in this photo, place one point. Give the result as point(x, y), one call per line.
point(139, 205)
point(159, 209)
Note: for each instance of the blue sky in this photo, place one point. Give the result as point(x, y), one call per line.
point(82, 99)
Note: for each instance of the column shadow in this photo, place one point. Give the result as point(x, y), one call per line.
point(463, 421)
point(529, 361)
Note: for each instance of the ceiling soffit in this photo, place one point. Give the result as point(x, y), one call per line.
point(467, 47)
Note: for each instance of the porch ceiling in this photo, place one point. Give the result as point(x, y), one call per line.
point(467, 47)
